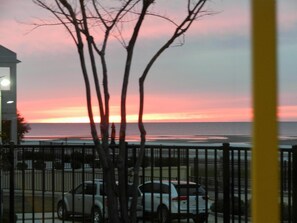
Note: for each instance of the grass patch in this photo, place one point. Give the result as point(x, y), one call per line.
point(29, 205)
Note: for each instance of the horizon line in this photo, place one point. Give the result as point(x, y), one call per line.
point(153, 122)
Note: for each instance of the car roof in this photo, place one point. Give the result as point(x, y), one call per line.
point(175, 182)
point(95, 180)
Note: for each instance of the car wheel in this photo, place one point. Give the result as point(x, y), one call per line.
point(96, 215)
point(200, 218)
point(62, 211)
point(163, 214)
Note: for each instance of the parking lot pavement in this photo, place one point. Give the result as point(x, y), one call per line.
point(48, 218)
point(38, 218)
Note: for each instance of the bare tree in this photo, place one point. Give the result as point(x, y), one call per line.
point(91, 24)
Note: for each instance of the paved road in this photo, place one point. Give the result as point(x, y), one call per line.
point(49, 219)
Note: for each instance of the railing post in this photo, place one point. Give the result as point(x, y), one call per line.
point(226, 182)
point(134, 156)
point(1, 191)
point(11, 182)
point(294, 182)
point(126, 164)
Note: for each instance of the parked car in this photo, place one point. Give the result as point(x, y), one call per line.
point(87, 199)
point(174, 199)
point(92, 193)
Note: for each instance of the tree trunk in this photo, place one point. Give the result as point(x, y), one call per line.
point(68, 14)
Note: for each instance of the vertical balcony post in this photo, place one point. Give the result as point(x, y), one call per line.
point(226, 181)
point(11, 183)
point(294, 182)
point(265, 168)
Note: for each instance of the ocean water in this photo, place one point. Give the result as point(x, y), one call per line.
point(181, 132)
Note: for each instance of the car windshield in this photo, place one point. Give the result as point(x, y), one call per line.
point(190, 189)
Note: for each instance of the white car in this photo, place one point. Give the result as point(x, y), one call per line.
point(86, 199)
point(89, 199)
point(174, 199)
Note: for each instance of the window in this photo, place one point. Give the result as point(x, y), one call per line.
point(79, 189)
point(146, 188)
point(102, 189)
point(86, 188)
point(185, 190)
point(155, 188)
point(90, 189)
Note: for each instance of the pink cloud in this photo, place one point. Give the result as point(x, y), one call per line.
point(287, 16)
point(56, 39)
point(44, 39)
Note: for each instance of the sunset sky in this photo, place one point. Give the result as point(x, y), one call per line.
point(207, 79)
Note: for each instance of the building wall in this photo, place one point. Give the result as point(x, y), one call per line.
point(8, 60)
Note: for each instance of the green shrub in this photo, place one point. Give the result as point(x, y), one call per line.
point(130, 163)
point(39, 165)
point(58, 165)
point(95, 164)
point(286, 212)
point(66, 158)
point(77, 156)
point(89, 158)
point(22, 166)
point(6, 217)
point(36, 155)
point(218, 206)
point(5, 165)
point(145, 162)
point(166, 162)
point(76, 164)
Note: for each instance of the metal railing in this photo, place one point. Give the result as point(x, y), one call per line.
point(33, 177)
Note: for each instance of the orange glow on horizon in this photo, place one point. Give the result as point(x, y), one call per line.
point(209, 108)
point(130, 118)
point(286, 113)
point(210, 116)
